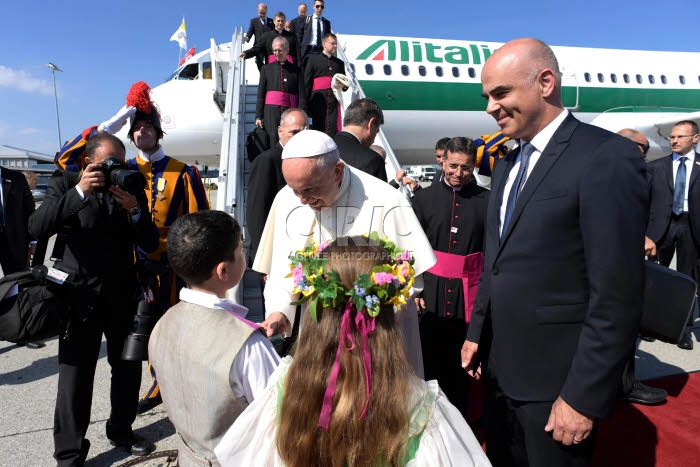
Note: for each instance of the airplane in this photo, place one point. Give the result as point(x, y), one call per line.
point(430, 88)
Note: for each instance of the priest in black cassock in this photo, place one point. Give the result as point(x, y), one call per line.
point(452, 214)
point(318, 77)
point(281, 87)
point(265, 45)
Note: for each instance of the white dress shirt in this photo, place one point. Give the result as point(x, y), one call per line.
point(257, 359)
point(316, 20)
point(539, 142)
point(688, 168)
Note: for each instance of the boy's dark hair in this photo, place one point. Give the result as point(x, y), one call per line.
point(198, 242)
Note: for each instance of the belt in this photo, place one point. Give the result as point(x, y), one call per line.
point(468, 268)
point(682, 217)
point(280, 98)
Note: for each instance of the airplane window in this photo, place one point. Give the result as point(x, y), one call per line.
point(189, 72)
point(387, 70)
point(438, 70)
point(206, 70)
point(681, 78)
point(639, 79)
point(369, 69)
point(663, 79)
point(651, 79)
point(626, 77)
point(404, 70)
point(601, 78)
point(587, 76)
point(613, 77)
point(421, 70)
point(352, 67)
point(472, 72)
point(455, 72)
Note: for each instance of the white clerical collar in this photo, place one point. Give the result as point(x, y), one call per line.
point(541, 139)
point(209, 300)
point(155, 157)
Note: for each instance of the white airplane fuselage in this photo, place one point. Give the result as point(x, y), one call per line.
point(430, 88)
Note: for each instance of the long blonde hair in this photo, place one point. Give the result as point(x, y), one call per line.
point(380, 437)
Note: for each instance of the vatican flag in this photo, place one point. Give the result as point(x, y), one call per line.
point(180, 35)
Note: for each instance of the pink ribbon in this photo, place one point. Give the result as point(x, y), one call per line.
point(364, 325)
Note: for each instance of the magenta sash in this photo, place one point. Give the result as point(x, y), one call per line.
point(271, 58)
point(283, 99)
point(324, 82)
point(468, 268)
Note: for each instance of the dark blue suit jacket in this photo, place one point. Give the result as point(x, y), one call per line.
point(308, 32)
point(661, 197)
point(563, 289)
point(257, 29)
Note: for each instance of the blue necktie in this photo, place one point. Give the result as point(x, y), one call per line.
point(318, 31)
point(679, 187)
point(518, 183)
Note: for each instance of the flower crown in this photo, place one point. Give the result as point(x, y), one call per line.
point(388, 284)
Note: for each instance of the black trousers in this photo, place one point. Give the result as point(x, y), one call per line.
point(441, 340)
point(8, 256)
point(78, 351)
point(679, 239)
point(515, 435)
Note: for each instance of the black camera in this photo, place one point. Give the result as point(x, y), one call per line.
point(147, 313)
point(119, 174)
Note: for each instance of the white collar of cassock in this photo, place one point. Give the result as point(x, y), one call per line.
point(155, 157)
point(209, 300)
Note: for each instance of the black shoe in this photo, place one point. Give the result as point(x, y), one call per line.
point(147, 404)
point(686, 341)
point(646, 338)
point(643, 394)
point(35, 345)
point(135, 444)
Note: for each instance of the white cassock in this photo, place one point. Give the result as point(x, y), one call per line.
point(364, 204)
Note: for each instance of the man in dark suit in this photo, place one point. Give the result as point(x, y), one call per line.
point(266, 177)
point(259, 25)
point(360, 126)
point(297, 25)
point(16, 205)
point(315, 28)
point(98, 231)
point(674, 214)
point(560, 297)
point(439, 159)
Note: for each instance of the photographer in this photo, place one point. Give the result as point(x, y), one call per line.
point(98, 228)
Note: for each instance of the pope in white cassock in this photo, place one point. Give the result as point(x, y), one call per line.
point(325, 199)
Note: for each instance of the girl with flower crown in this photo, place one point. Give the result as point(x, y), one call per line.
point(349, 396)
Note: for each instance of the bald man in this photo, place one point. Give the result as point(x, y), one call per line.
point(563, 275)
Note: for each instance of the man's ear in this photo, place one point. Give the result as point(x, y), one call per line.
point(220, 271)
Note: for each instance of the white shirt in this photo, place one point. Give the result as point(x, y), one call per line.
point(153, 158)
point(688, 168)
point(314, 21)
point(257, 359)
point(539, 142)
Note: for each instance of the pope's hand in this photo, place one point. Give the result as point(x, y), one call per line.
point(116, 123)
point(275, 323)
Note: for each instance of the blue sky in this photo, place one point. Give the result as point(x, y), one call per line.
point(104, 47)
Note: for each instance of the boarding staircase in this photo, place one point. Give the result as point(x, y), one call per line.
point(234, 167)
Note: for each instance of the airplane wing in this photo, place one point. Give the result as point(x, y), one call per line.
point(665, 124)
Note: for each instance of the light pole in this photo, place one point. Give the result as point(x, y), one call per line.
point(54, 69)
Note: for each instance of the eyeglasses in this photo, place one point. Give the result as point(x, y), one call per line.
point(319, 6)
point(643, 147)
point(671, 138)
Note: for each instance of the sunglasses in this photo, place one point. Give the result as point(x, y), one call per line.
point(643, 147)
point(319, 6)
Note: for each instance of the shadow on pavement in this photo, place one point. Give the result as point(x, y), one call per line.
point(39, 369)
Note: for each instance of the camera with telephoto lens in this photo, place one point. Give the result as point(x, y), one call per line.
point(119, 174)
point(147, 312)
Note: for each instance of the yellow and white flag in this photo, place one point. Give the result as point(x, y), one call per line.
point(180, 35)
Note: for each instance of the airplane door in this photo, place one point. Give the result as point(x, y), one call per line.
point(570, 89)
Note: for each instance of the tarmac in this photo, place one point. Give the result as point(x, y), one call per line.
point(29, 377)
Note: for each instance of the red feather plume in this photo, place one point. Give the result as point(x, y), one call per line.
point(139, 97)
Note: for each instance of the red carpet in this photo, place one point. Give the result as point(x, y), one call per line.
point(666, 435)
